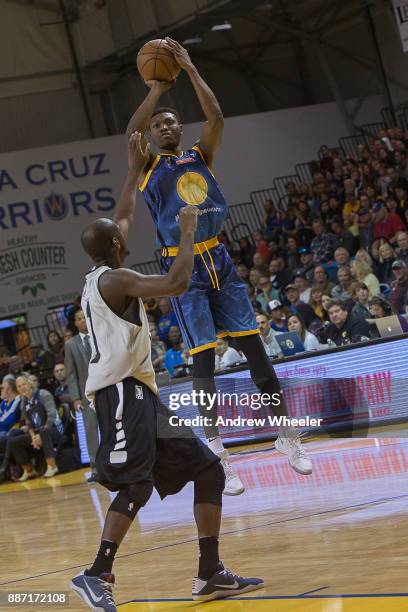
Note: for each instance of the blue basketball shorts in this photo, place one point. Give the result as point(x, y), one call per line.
point(216, 303)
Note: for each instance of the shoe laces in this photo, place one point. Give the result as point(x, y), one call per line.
point(227, 572)
point(296, 443)
point(107, 590)
point(229, 472)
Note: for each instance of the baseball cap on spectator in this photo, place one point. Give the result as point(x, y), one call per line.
point(290, 286)
point(304, 251)
point(398, 264)
point(274, 304)
point(378, 206)
point(298, 274)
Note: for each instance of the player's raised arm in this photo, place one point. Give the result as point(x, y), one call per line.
point(140, 120)
point(211, 134)
point(138, 156)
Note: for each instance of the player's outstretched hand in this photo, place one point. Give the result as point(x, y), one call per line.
point(137, 157)
point(180, 53)
point(160, 86)
point(188, 219)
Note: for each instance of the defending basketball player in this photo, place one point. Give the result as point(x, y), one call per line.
point(216, 303)
point(138, 448)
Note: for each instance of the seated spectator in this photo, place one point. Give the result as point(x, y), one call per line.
point(303, 221)
point(399, 286)
point(67, 334)
point(363, 272)
point(345, 237)
point(361, 299)
point(342, 256)
point(243, 271)
point(224, 239)
point(54, 353)
point(386, 224)
point(365, 228)
point(309, 340)
point(345, 328)
point(383, 267)
point(351, 206)
point(266, 294)
point(225, 355)
point(280, 275)
point(272, 220)
point(401, 195)
point(152, 309)
point(301, 283)
point(321, 280)
point(42, 430)
point(60, 390)
point(167, 319)
point(174, 355)
point(259, 264)
point(277, 316)
point(298, 307)
point(9, 410)
point(158, 348)
point(344, 289)
point(24, 346)
point(261, 246)
point(402, 249)
point(334, 208)
point(288, 222)
point(323, 244)
point(379, 308)
point(254, 278)
point(316, 295)
point(292, 193)
point(268, 336)
point(34, 381)
point(246, 251)
point(306, 263)
point(305, 193)
point(292, 253)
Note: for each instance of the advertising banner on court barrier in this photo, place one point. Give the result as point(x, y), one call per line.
point(47, 197)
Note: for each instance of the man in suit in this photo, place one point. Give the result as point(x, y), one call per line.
point(77, 356)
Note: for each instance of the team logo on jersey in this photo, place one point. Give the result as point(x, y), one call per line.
point(138, 392)
point(192, 188)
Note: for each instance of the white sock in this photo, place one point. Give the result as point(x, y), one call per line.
point(216, 445)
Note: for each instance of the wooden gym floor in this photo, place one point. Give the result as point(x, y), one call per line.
point(335, 541)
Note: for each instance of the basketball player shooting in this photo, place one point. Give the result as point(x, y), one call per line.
point(216, 303)
point(138, 448)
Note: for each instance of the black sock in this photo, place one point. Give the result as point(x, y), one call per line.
point(104, 559)
point(208, 557)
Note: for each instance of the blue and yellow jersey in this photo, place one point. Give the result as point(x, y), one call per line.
point(171, 183)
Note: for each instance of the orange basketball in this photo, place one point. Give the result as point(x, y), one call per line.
point(156, 63)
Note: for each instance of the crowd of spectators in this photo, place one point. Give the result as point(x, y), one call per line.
point(328, 260)
point(37, 430)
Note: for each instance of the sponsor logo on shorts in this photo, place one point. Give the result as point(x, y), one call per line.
point(138, 392)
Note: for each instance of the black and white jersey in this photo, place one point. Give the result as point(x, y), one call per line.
point(120, 349)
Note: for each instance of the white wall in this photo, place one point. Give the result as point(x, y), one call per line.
point(256, 148)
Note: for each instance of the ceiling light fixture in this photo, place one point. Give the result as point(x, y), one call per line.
point(195, 40)
point(220, 27)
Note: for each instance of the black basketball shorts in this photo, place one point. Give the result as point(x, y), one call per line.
point(138, 443)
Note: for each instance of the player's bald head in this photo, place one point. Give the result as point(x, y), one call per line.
point(97, 238)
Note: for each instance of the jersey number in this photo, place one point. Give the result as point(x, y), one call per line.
point(97, 353)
